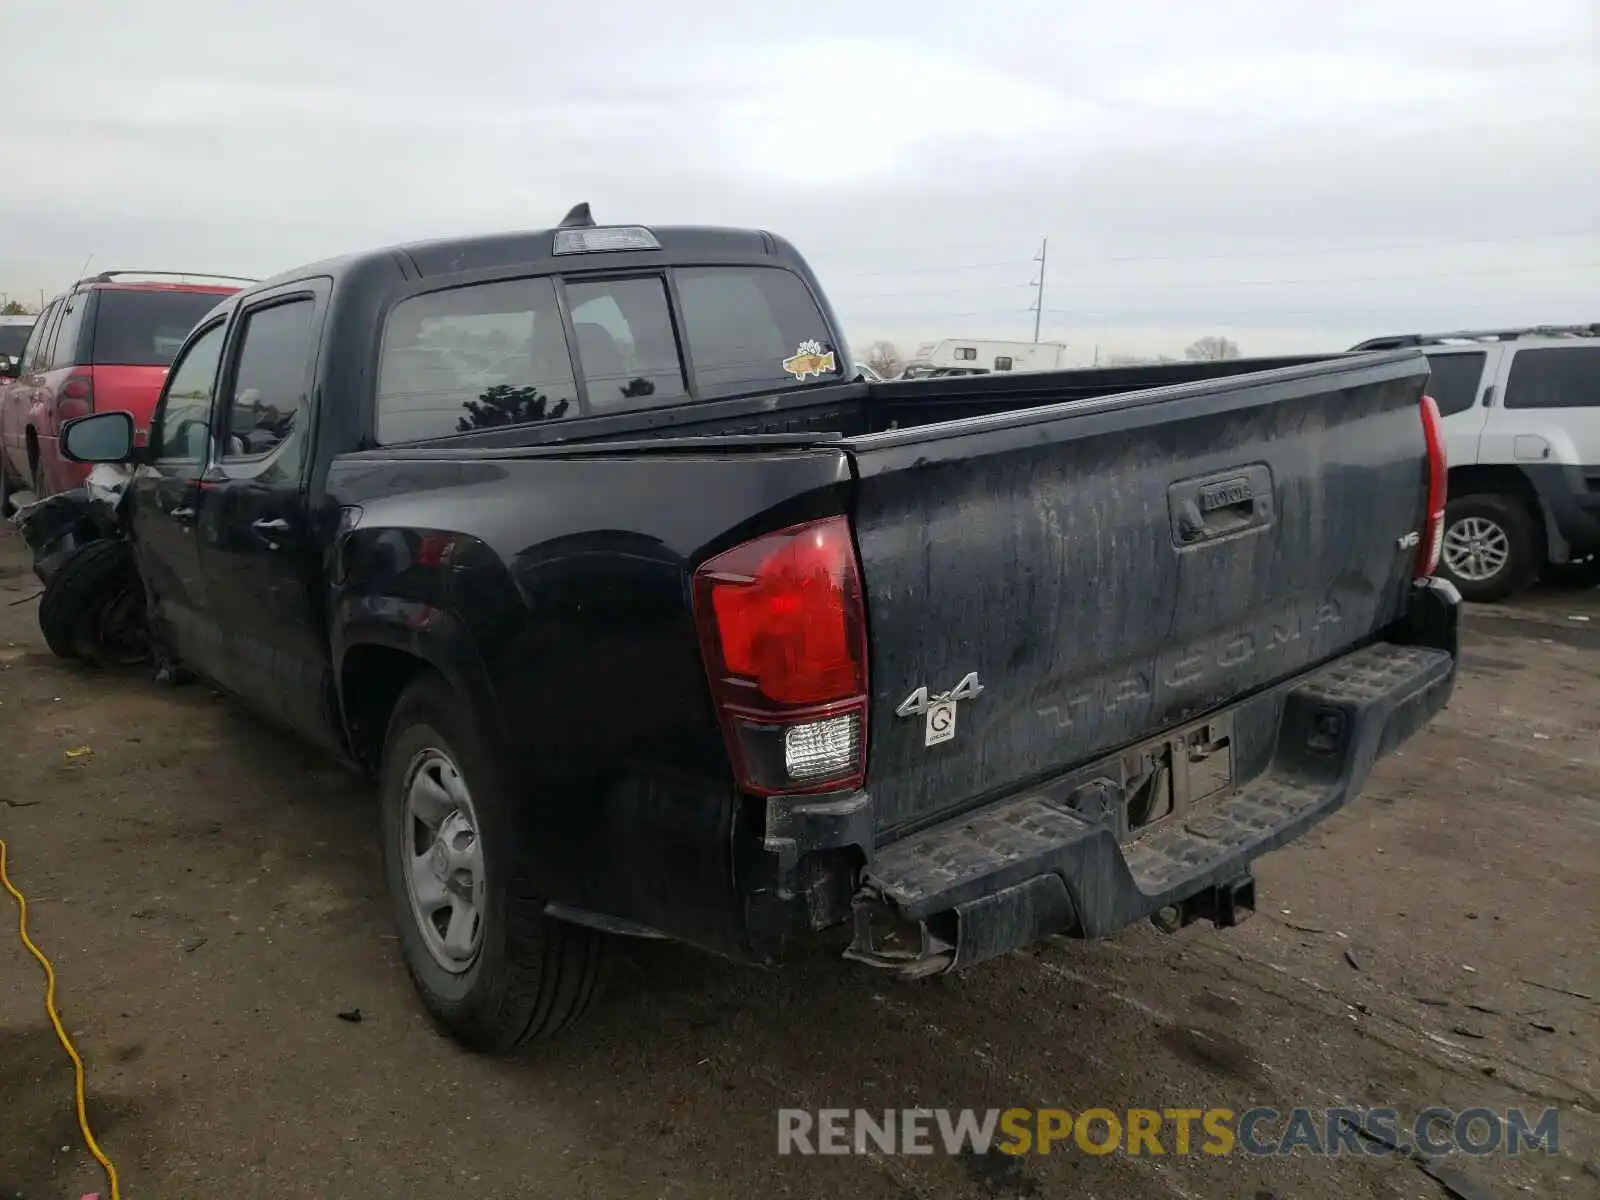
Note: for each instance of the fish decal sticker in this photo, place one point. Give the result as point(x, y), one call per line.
point(810, 359)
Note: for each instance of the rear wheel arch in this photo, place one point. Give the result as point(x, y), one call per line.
point(379, 660)
point(1505, 480)
point(36, 480)
point(372, 678)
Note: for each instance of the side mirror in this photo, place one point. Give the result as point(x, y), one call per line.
point(10, 366)
point(102, 438)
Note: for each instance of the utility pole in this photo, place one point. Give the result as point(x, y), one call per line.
point(1038, 288)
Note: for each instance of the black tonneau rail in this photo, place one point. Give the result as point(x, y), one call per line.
point(823, 414)
point(1150, 405)
point(731, 443)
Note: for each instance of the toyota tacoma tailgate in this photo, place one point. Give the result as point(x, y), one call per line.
point(1107, 623)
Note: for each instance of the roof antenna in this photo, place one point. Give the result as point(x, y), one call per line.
point(578, 218)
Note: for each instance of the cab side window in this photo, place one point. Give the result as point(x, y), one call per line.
point(33, 355)
point(268, 405)
point(474, 357)
point(64, 349)
point(183, 425)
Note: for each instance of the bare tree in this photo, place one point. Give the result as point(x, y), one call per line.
point(885, 359)
point(1212, 349)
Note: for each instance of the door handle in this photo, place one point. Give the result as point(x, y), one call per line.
point(269, 529)
point(183, 516)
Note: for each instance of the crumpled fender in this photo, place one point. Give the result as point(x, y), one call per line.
point(57, 525)
point(54, 527)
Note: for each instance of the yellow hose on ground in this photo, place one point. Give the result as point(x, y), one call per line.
point(61, 1031)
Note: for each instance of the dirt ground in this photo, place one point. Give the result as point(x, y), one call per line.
point(210, 893)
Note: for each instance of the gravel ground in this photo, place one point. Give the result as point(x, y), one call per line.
point(211, 895)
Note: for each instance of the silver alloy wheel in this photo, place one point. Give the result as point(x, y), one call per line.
point(1476, 549)
point(444, 861)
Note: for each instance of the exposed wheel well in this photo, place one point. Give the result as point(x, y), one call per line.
point(371, 679)
point(1504, 481)
point(1508, 481)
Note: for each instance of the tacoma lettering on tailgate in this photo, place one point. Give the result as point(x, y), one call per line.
point(1190, 667)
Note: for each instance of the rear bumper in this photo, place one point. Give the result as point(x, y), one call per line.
point(1035, 864)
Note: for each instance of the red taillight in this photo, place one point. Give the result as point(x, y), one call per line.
point(783, 631)
point(76, 398)
point(1438, 487)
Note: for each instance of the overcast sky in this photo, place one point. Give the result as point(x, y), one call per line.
point(1293, 175)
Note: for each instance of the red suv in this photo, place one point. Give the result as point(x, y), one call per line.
point(103, 344)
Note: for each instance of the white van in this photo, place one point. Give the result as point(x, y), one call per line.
point(14, 331)
point(979, 356)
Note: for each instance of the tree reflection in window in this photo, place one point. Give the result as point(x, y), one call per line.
point(503, 404)
point(483, 356)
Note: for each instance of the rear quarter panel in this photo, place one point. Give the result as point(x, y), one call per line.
point(564, 610)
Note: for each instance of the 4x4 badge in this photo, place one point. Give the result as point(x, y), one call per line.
point(940, 708)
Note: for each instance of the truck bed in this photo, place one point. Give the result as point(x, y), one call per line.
point(854, 409)
point(1113, 553)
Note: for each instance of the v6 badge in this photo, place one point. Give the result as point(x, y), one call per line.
point(939, 710)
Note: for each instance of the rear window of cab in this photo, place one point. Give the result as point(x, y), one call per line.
point(497, 354)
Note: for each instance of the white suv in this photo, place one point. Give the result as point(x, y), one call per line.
point(1521, 412)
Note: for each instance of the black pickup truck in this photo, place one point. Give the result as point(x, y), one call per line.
point(650, 618)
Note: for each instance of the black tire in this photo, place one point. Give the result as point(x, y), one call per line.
point(1510, 518)
point(532, 976)
point(97, 584)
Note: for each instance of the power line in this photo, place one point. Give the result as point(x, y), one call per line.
point(1486, 274)
point(1010, 262)
point(1205, 313)
point(955, 291)
point(1291, 251)
point(1212, 283)
point(1433, 244)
